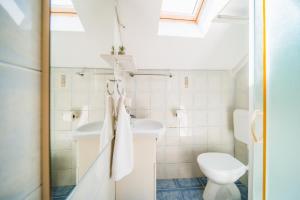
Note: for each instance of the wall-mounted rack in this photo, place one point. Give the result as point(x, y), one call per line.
point(149, 74)
point(125, 62)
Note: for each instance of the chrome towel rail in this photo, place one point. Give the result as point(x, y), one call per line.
point(146, 74)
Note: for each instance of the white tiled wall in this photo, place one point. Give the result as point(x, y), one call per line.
point(85, 93)
point(242, 102)
point(242, 88)
point(207, 96)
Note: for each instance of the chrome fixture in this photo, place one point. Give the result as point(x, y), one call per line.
point(145, 74)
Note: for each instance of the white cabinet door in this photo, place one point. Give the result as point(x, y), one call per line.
point(141, 183)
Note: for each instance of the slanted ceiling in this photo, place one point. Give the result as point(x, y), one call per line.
point(83, 49)
point(222, 48)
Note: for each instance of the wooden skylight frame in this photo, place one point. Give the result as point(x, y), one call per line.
point(194, 18)
point(64, 10)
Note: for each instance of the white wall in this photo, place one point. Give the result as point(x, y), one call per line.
point(20, 75)
point(209, 100)
point(242, 102)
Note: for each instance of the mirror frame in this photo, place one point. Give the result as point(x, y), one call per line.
point(45, 100)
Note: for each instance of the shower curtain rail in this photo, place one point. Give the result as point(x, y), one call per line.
point(146, 74)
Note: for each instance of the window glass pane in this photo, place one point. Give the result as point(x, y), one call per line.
point(185, 7)
point(62, 3)
point(66, 23)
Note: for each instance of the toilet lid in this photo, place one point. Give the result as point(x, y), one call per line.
point(219, 162)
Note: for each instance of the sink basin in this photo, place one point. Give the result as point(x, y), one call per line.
point(88, 130)
point(147, 126)
point(140, 127)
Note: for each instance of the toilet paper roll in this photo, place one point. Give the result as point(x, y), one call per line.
point(182, 117)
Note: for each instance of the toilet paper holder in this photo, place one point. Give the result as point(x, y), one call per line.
point(176, 111)
point(71, 115)
point(76, 114)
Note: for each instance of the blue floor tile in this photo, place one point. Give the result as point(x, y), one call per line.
point(62, 192)
point(192, 194)
point(203, 181)
point(169, 195)
point(165, 184)
point(188, 189)
point(244, 191)
point(187, 182)
point(238, 182)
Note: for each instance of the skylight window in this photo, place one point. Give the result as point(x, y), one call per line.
point(185, 10)
point(200, 14)
point(64, 16)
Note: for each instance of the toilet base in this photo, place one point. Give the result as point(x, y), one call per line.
point(215, 191)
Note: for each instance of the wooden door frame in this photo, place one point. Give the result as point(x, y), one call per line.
point(45, 99)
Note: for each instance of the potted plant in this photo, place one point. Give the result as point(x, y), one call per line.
point(121, 50)
point(112, 52)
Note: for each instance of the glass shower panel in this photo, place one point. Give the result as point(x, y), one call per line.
point(283, 127)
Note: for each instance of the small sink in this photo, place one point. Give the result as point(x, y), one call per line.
point(147, 126)
point(139, 127)
point(88, 130)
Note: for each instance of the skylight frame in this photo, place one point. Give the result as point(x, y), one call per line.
point(177, 16)
point(63, 10)
point(64, 17)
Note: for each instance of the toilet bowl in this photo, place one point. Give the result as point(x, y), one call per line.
point(222, 169)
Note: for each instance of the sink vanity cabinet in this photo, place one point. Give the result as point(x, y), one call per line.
point(87, 143)
point(140, 184)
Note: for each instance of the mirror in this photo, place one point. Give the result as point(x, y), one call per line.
point(80, 32)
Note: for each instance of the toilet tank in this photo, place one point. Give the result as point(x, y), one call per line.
point(241, 125)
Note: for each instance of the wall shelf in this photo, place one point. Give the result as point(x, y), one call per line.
point(125, 62)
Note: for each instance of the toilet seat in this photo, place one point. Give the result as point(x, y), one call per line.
point(221, 168)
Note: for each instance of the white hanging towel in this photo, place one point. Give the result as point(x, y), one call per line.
point(107, 130)
point(122, 164)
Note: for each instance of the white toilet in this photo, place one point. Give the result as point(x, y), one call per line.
point(221, 169)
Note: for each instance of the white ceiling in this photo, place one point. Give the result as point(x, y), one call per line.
point(222, 48)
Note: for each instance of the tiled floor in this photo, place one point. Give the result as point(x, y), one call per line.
point(187, 189)
point(61, 193)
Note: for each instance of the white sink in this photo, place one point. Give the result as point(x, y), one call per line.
point(146, 127)
point(140, 127)
point(88, 130)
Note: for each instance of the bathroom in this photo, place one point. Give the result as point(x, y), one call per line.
point(148, 100)
point(193, 97)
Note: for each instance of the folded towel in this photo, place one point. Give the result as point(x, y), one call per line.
point(122, 164)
